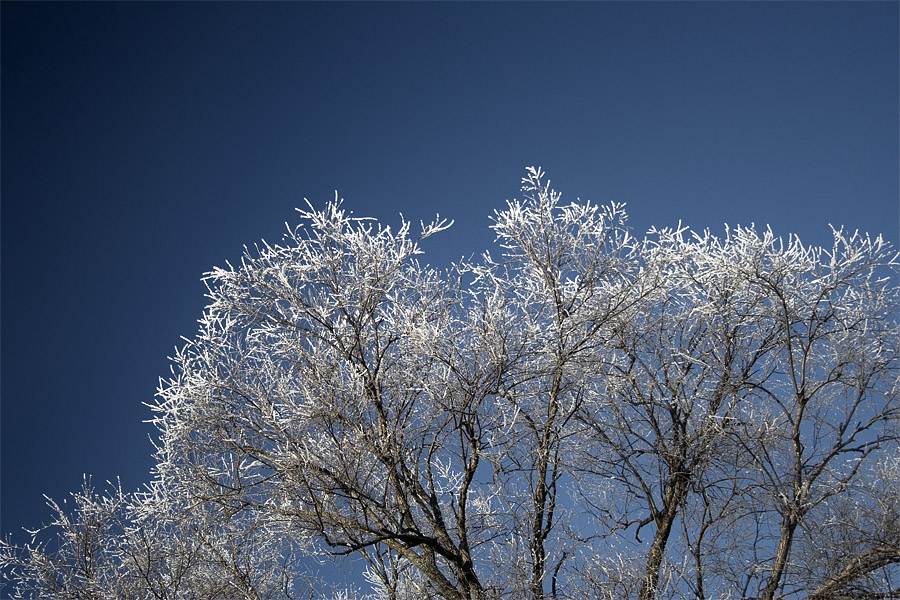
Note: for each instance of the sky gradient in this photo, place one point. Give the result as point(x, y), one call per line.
point(145, 143)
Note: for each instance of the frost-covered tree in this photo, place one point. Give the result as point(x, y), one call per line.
point(584, 414)
point(116, 546)
point(752, 388)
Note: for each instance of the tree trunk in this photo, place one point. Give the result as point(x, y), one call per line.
point(788, 526)
point(676, 490)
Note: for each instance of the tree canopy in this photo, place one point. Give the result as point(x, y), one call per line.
point(585, 414)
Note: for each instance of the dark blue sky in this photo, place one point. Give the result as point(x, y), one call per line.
point(145, 143)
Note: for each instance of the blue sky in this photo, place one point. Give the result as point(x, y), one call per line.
point(144, 143)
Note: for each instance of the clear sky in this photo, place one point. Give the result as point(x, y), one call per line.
point(145, 143)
